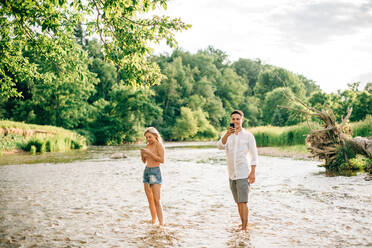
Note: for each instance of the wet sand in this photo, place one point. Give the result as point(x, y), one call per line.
point(277, 152)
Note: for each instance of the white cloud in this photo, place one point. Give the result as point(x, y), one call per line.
point(318, 21)
point(325, 40)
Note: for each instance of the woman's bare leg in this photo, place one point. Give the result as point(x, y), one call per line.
point(150, 198)
point(159, 210)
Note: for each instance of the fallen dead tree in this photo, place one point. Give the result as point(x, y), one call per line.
point(334, 143)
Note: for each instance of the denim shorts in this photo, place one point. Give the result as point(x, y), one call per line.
point(152, 175)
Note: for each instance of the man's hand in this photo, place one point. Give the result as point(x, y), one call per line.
point(230, 131)
point(252, 177)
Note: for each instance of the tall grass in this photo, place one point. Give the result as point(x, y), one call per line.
point(362, 128)
point(282, 136)
point(296, 135)
point(53, 140)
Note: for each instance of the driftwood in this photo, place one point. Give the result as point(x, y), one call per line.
point(325, 143)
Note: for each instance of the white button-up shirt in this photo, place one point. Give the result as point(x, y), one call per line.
point(241, 151)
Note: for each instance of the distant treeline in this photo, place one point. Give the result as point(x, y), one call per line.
point(193, 101)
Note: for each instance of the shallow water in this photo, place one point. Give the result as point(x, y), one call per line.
point(85, 199)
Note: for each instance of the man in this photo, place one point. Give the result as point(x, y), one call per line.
point(241, 151)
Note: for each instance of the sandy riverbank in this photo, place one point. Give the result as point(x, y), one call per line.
point(278, 152)
point(13, 152)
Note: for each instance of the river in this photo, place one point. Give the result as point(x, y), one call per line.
point(86, 199)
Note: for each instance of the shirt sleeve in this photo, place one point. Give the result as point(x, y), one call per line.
point(220, 145)
point(253, 150)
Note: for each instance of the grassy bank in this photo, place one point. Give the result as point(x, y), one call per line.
point(362, 128)
point(295, 135)
point(37, 138)
point(281, 136)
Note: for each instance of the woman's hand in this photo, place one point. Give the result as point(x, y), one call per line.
point(144, 155)
point(144, 151)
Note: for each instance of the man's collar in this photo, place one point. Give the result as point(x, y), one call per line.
point(241, 130)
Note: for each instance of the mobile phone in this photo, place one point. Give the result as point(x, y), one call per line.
point(232, 125)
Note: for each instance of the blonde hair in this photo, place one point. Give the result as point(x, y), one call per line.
point(155, 132)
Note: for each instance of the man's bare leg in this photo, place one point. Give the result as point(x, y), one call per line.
point(151, 201)
point(243, 212)
point(240, 212)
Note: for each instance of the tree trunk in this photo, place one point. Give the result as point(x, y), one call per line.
point(335, 138)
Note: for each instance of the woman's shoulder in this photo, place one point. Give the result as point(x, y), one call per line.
point(160, 145)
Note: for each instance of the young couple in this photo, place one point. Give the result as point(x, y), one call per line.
point(241, 151)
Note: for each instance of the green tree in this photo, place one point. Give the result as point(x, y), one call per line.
point(249, 71)
point(203, 63)
point(277, 119)
point(274, 99)
point(271, 79)
point(124, 31)
point(186, 125)
point(123, 118)
point(252, 111)
point(230, 89)
point(205, 129)
point(362, 106)
point(193, 124)
point(215, 110)
point(105, 71)
point(354, 86)
point(318, 99)
point(220, 58)
point(60, 96)
point(310, 85)
point(173, 91)
point(368, 87)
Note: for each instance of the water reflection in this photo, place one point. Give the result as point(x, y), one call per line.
point(95, 201)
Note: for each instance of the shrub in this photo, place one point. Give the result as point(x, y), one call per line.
point(33, 149)
point(37, 143)
point(368, 165)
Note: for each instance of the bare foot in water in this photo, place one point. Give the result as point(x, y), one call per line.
point(239, 228)
point(161, 227)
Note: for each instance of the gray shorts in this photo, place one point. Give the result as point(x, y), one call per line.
point(240, 189)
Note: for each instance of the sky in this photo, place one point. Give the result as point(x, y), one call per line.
point(328, 41)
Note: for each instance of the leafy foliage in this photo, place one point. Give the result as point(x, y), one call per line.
point(72, 81)
point(47, 28)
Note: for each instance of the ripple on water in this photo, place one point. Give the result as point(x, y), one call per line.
point(97, 202)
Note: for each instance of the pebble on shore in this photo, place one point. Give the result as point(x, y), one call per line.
point(118, 155)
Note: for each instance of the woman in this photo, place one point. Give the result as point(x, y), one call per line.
point(153, 156)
